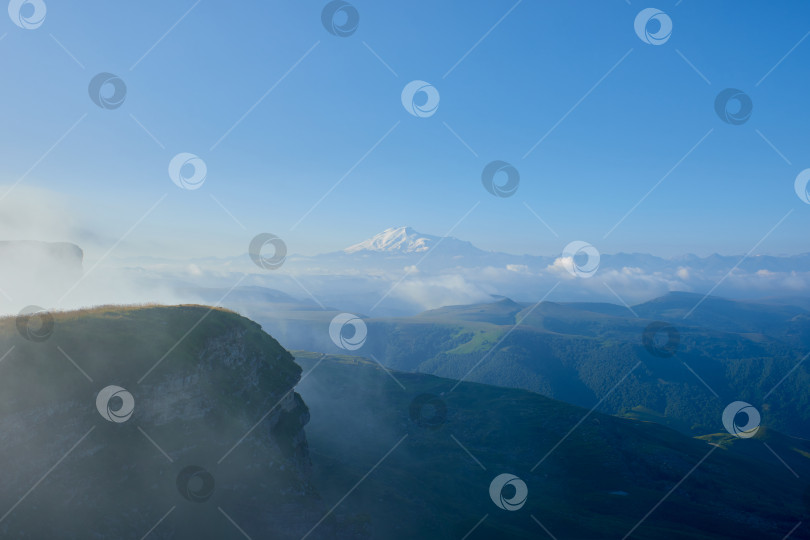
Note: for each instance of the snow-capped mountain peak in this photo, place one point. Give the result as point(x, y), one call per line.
point(396, 240)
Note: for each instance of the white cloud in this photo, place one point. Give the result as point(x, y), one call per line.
point(440, 291)
point(562, 267)
point(518, 268)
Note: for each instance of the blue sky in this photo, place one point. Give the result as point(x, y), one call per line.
point(337, 102)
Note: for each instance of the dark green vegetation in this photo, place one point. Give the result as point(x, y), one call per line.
point(598, 483)
point(219, 376)
point(578, 352)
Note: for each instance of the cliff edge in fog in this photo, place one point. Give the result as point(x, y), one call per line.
point(179, 418)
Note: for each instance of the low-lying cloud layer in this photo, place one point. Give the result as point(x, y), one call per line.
point(379, 277)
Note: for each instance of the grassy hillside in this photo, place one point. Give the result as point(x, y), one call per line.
point(598, 483)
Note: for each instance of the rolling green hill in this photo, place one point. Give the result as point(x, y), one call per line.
point(577, 353)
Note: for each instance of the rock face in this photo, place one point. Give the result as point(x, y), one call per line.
point(202, 433)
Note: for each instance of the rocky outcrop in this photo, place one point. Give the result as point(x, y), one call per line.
point(214, 442)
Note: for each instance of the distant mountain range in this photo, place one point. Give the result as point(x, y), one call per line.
point(398, 242)
point(406, 241)
point(402, 272)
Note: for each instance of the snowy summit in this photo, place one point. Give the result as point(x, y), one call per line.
point(396, 240)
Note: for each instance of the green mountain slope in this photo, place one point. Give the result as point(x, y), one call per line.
point(597, 482)
point(576, 353)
